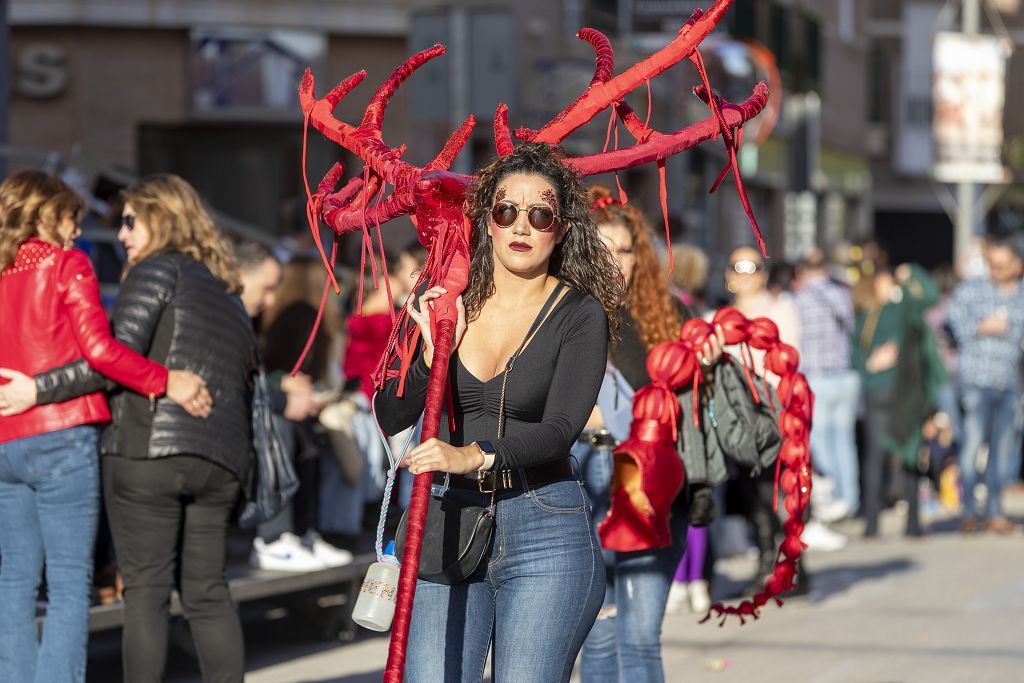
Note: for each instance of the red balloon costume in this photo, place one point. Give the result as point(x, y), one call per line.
point(433, 197)
point(672, 366)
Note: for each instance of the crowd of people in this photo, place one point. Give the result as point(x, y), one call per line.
point(137, 431)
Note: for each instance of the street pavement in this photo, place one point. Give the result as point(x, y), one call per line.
point(941, 608)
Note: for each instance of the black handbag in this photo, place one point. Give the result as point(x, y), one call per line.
point(457, 535)
point(275, 479)
point(746, 431)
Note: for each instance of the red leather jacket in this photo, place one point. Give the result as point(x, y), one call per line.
point(50, 314)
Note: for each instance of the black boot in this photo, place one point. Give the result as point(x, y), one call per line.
point(802, 586)
point(765, 525)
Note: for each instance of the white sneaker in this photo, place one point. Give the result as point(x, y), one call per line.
point(824, 488)
point(830, 510)
point(286, 554)
point(700, 599)
point(326, 553)
point(819, 537)
point(678, 597)
point(824, 503)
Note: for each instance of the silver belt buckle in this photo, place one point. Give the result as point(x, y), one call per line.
point(487, 479)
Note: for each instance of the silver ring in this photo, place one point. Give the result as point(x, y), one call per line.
point(705, 362)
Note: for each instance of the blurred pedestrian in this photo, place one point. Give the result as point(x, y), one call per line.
point(289, 324)
point(900, 374)
point(276, 547)
point(626, 638)
point(746, 279)
point(826, 326)
point(688, 280)
point(49, 465)
point(987, 318)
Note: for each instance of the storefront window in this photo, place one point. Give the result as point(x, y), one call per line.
point(244, 69)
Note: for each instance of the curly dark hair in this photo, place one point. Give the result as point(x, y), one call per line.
point(581, 259)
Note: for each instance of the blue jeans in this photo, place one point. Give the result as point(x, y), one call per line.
point(596, 471)
point(49, 504)
point(833, 439)
point(626, 646)
point(990, 417)
point(947, 400)
point(537, 593)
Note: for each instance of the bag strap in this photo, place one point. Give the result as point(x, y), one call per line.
point(537, 322)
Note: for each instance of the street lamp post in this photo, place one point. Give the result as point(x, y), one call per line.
point(970, 19)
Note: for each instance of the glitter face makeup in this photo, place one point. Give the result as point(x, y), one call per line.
point(550, 198)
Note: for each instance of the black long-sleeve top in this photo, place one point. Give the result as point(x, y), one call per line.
point(550, 393)
point(629, 356)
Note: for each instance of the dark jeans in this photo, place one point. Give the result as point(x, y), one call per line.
point(169, 517)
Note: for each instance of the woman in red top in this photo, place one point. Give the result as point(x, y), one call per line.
point(50, 314)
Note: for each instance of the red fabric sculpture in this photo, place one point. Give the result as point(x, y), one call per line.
point(672, 366)
point(433, 197)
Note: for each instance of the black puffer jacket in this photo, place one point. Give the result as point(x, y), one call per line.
point(172, 309)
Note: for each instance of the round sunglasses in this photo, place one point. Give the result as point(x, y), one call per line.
point(128, 221)
point(541, 216)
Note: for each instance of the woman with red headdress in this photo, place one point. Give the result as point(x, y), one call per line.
point(530, 351)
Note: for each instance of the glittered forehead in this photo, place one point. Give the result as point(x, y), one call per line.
point(548, 196)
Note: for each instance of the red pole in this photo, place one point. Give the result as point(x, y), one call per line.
point(418, 503)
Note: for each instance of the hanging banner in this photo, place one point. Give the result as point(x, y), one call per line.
point(968, 95)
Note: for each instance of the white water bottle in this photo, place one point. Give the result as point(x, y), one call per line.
point(375, 606)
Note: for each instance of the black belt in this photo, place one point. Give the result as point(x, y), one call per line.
point(497, 481)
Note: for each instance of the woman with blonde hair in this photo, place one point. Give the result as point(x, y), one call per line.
point(49, 470)
point(171, 483)
point(626, 639)
point(690, 277)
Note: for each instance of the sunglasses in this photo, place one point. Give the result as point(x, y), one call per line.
point(541, 216)
point(745, 267)
point(128, 221)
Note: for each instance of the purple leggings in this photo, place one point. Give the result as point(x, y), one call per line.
point(691, 567)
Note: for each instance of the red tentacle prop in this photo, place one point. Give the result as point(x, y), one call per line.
point(672, 366)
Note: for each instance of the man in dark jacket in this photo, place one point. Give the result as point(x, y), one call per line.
point(276, 546)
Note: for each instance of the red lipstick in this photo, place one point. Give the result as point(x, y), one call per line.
point(519, 246)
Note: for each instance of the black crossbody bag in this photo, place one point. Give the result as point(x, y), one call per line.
point(457, 535)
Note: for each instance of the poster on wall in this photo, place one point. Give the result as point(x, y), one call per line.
point(968, 95)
